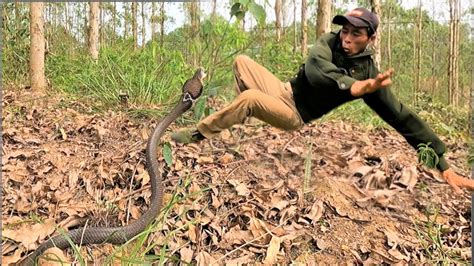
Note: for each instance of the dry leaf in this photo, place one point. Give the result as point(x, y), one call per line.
point(397, 254)
point(28, 235)
point(392, 237)
point(272, 251)
point(257, 227)
point(241, 188)
point(316, 211)
point(409, 177)
point(244, 260)
point(226, 158)
point(204, 259)
point(204, 159)
point(13, 259)
point(216, 203)
point(192, 233)
point(237, 236)
point(186, 254)
point(51, 257)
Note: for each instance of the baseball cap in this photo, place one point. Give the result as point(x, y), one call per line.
point(358, 17)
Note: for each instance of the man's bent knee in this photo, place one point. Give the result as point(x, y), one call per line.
point(249, 96)
point(241, 59)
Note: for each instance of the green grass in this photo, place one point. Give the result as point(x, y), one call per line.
point(431, 236)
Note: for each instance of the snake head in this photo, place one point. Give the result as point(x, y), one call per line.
point(192, 88)
point(200, 74)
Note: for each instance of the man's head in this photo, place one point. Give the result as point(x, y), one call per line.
point(359, 18)
point(358, 29)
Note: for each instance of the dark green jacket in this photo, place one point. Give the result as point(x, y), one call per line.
point(324, 82)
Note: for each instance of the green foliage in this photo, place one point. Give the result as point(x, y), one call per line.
point(142, 75)
point(16, 43)
point(427, 156)
point(240, 8)
point(432, 236)
point(167, 154)
point(447, 120)
point(357, 112)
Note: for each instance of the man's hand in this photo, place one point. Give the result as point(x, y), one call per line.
point(456, 181)
point(382, 80)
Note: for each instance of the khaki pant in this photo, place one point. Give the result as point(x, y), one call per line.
point(264, 96)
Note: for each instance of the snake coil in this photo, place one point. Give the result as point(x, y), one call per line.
point(120, 235)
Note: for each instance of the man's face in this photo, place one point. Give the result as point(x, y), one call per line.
point(354, 40)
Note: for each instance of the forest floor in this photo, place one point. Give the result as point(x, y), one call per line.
point(330, 193)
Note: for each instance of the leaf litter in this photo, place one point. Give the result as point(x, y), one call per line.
point(237, 199)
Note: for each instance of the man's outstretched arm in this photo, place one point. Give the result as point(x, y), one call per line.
point(408, 124)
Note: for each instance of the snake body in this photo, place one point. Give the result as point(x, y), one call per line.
point(120, 235)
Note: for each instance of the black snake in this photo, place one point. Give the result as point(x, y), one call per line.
point(192, 89)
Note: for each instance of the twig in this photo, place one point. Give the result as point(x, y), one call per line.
point(131, 193)
point(216, 166)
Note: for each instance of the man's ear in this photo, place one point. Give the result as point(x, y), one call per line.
point(372, 38)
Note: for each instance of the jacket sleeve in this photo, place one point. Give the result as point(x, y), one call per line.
point(406, 122)
point(319, 69)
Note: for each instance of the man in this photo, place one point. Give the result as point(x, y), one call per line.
point(339, 69)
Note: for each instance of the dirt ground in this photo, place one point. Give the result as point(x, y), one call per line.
point(330, 193)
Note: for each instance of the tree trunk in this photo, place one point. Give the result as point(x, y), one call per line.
point(323, 23)
point(214, 8)
point(418, 49)
point(162, 24)
point(284, 16)
point(278, 20)
point(453, 45)
point(414, 47)
point(67, 18)
point(94, 30)
point(102, 23)
point(85, 26)
point(153, 20)
point(37, 76)
point(389, 36)
point(114, 20)
point(457, 89)
point(194, 34)
point(304, 28)
point(143, 25)
point(134, 25)
point(295, 34)
point(378, 12)
point(125, 20)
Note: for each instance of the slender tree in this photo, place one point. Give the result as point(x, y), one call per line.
point(194, 31)
point(278, 20)
point(284, 16)
point(126, 20)
point(143, 24)
point(453, 76)
point(134, 25)
point(37, 45)
point(101, 22)
point(67, 17)
point(153, 21)
point(304, 28)
point(376, 8)
point(419, 30)
point(323, 23)
point(295, 33)
point(162, 24)
point(389, 35)
point(94, 30)
point(114, 20)
point(214, 8)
